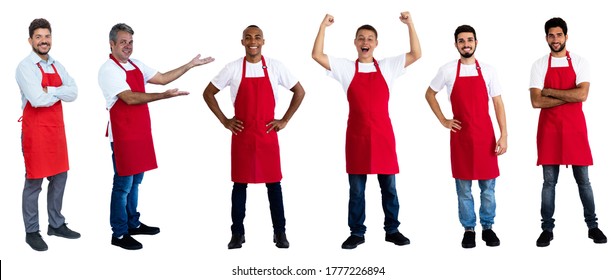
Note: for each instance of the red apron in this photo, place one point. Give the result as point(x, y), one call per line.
point(43, 137)
point(370, 142)
point(133, 146)
point(473, 154)
point(562, 132)
point(255, 154)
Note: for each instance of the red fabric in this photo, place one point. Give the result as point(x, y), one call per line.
point(473, 154)
point(370, 141)
point(255, 154)
point(562, 132)
point(43, 136)
point(133, 145)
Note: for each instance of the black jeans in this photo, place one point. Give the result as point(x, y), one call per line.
point(276, 206)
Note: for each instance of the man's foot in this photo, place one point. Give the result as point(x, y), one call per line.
point(353, 241)
point(280, 240)
point(63, 231)
point(490, 238)
point(126, 242)
point(397, 238)
point(469, 239)
point(35, 240)
point(236, 241)
point(544, 239)
point(597, 235)
point(144, 229)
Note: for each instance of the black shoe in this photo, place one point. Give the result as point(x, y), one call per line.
point(397, 238)
point(280, 240)
point(126, 242)
point(353, 241)
point(35, 240)
point(63, 231)
point(144, 229)
point(469, 239)
point(544, 239)
point(236, 241)
point(597, 235)
point(490, 238)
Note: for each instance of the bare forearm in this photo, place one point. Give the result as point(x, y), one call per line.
point(430, 96)
point(295, 102)
point(540, 101)
point(415, 46)
point(500, 115)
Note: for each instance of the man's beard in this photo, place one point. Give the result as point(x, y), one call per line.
point(36, 50)
point(561, 47)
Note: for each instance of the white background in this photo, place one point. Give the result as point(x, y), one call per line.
point(188, 196)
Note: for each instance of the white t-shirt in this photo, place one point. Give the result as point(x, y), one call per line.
point(112, 78)
point(448, 73)
point(343, 69)
point(230, 75)
point(539, 69)
point(112, 81)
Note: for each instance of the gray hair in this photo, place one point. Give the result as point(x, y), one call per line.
point(119, 27)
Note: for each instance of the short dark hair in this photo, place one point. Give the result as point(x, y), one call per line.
point(465, 28)
point(117, 28)
point(366, 27)
point(251, 26)
point(39, 23)
point(556, 22)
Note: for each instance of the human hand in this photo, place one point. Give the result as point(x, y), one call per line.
point(452, 124)
point(174, 93)
point(405, 17)
point(234, 125)
point(327, 21)
point(276, 125)
point(197, 60)
point(501, 146)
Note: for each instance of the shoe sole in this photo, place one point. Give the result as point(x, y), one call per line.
point(127, 248)
point(398, 243)
point(468, 246)
point(353, 246)
point(598, 241)
point(64, 236)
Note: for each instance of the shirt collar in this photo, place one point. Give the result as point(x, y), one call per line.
point(34, 58)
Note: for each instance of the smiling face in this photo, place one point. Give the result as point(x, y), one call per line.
point(557, 41)
point(253, 41)
point(122, 47)
point(466, 44)
point(41, 42)
point(365, 42)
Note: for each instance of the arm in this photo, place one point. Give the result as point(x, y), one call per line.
point(500, 114)
point(163, 79)
point(451, 124)
point(415, 46)
point(68, 91)
point(30, 85)
point(578, 94)
point(319, 44)
point(135, 98)
point(298, 94)
point(233, 124)
point(540, 101)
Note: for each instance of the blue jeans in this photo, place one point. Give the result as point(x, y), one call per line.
point(547, 208)
point(356, 204)
point(124, 200)
point(465, 201)
point(276, 207)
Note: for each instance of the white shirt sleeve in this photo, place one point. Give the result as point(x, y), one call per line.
point(68, 91)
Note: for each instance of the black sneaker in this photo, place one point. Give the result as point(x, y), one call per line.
point(490, 238)
point(280, 240)
point(35, 240)
point(397, 238)
point(126, 242)
point(236, 241)
point(469, 239)
point(597, 235)
point(63, 231)
point(353, 241)
point(544, 239)
point(144, 229)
